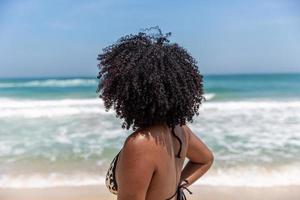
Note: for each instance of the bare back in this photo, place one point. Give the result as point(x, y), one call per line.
point(164, 147)
point(149, 167)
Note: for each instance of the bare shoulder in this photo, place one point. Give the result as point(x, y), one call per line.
point(140, 146)
point(197, 150)
point(139, 141)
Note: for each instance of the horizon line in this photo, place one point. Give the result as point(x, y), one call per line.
point(204, 74)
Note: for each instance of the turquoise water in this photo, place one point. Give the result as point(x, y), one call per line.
point(55, 131)
point(279, 86)
point(248, 87)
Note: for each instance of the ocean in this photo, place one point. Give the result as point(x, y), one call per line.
point(55, 131)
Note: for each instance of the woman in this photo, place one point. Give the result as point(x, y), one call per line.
point(155, 86)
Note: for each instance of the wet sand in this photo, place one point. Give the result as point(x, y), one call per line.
point(199, 193)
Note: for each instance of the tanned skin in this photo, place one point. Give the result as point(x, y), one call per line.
point(148, 169)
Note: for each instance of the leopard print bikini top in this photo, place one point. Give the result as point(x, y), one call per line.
point(111, 183)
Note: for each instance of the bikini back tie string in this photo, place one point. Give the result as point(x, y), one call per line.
point(180, 193)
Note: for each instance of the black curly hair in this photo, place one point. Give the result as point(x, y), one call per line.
point(149, 80)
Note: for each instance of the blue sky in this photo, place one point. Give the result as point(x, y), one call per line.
point(63, 38)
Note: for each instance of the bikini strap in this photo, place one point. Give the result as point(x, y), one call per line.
point(115, 160)
point(180, 143)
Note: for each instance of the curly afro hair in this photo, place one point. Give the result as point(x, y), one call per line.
point(149, 80)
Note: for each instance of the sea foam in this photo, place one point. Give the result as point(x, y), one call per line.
point(53, 108)
point(247, 137)
point(234, 177)
point(51, 83)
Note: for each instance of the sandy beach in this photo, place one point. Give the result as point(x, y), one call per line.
point(199, 192)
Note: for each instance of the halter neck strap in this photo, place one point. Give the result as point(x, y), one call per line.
point(180, 143)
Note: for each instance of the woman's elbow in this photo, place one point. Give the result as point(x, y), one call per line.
point(204, 159)
point(210, 158)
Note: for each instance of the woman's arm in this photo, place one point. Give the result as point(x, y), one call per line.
point(200, 159)
point(136, 167)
